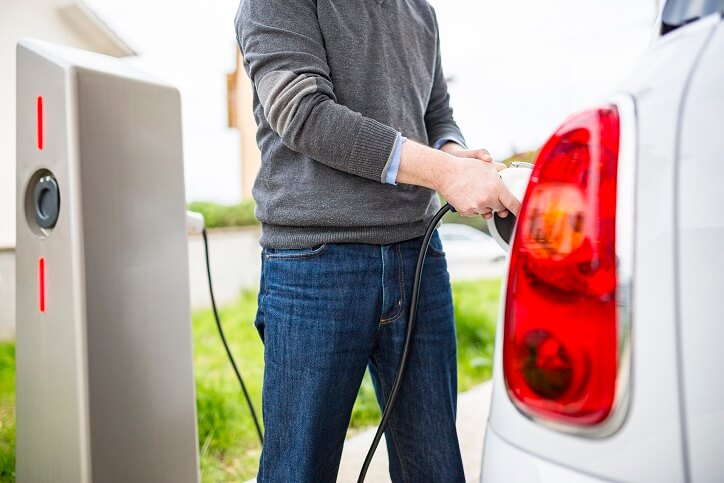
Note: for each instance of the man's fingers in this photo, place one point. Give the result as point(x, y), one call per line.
point(509, 201)
point(481, 154)
point(484, 155)
point(503, 213)
point(499, 166)
point(487, 216)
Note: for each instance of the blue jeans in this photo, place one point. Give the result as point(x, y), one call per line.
point(325, 314)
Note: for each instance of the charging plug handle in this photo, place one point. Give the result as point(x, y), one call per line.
point(195, 223)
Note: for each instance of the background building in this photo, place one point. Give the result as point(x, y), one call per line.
point(241, 117)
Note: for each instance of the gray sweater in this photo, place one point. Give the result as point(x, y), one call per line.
point(335, 83)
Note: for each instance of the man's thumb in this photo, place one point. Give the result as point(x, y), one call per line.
point(509, 201)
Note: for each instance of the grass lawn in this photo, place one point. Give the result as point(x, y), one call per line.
point(7, 411)
point(227, 440)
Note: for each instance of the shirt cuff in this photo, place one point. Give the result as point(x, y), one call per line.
point(447, 139)
point(389, 174)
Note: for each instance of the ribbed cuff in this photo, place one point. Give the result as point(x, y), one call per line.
point(372, 148)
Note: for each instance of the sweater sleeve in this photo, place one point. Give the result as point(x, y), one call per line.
point(285, 58)
point(439, 121)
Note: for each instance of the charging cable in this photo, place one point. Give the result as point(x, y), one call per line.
point(412, 319)
point(392, 398)
point(220, 328)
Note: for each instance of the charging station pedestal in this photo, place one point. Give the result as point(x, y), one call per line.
point(105, 382)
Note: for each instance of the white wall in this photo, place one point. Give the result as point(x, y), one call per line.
point(7, 293)
point(24, 18)
point(235, 257)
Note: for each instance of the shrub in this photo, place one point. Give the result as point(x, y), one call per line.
point(221, 216)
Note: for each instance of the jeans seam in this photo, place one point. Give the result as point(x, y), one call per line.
point(395, 443)
point(264, 268)
point(401, 275)
point(265, 291)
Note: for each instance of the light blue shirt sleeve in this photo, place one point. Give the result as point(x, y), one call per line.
point(442, 141)
point(394, 165)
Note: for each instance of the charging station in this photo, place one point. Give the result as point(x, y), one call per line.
point(105, 381)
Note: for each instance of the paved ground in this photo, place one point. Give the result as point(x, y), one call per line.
point(473, 408)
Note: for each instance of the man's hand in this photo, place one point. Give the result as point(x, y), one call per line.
point(470, 184)
point(475, 188)
point(483, 155)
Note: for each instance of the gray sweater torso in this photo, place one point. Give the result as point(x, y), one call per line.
point(335, 83)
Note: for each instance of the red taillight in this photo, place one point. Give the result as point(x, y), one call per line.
point(560, 342)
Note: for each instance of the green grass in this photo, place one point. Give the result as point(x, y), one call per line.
point(476, 312)
point(227, 440)
point(7, 411)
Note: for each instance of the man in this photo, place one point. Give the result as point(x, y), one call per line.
point(348, 97)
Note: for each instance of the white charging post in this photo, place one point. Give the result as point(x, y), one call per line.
point(105, 383)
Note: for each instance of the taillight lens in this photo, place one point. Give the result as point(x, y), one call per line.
point(560, 341)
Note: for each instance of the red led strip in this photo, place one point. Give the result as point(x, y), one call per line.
point(41, 284)
point(40, 122)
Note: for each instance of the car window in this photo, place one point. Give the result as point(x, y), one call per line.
point(678, 13)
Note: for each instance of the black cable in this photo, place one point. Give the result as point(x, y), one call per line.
point(390, 404)
point(223, 339)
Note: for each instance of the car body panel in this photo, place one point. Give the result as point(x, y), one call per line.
point(649, 444)
point(700, 249)
point(521, 467)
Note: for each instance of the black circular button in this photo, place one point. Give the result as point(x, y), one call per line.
point(46, 198)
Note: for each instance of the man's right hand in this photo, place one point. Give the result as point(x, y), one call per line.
point(474, 187)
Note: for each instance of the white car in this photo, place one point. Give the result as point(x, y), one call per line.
point(610, 346)
point(464, 243)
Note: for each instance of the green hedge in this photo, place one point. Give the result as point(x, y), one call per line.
point(220, 216)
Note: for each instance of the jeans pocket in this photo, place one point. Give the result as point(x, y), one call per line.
point(435, 247)
point(295, 253)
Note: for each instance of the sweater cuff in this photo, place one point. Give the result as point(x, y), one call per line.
point(372, 149)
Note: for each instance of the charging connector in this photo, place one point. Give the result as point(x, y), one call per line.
point(194, 223)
